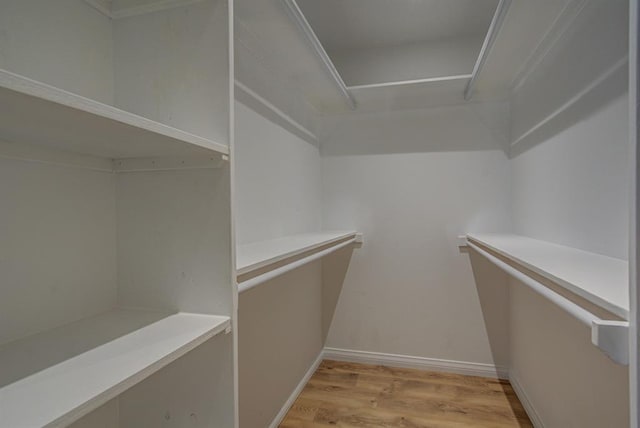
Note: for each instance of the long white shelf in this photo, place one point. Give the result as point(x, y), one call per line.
point(260, 255)
point(420, 93)
point(36, 113)
point(599, 279)
point(134, 345)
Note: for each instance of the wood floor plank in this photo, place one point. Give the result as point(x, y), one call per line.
point(303, 409)
point(350, 395)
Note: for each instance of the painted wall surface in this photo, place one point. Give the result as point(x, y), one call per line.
point(567, 380)
point(277, 180)
point(67, 44)
point(279, 339)
point(572, 188)
point(171, 66)
point(59, 230)
point(278, 192)
point(412, 182)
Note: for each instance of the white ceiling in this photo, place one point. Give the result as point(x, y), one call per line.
point(364, 24)
point(274, 59)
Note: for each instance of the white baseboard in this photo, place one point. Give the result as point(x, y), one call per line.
point(292, 398)
point(526, 402)
point(422, 363)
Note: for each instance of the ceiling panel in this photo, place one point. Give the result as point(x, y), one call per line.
point(365, 24)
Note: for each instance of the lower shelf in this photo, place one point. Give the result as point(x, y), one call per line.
point(111, 353)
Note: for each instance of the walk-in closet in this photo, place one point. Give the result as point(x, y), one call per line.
point(313, 213)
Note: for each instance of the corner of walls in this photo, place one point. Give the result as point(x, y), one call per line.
point(561, 377)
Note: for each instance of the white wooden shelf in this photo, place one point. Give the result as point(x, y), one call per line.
point(59, 394)
point(262, 254)
point(420, 93)
point(599, 279)
point(36, 113)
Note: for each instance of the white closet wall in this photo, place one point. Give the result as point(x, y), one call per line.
point(278, 181)
point(570, 185)
point(165, 68)
point(411, 182)
point(57, 56)
point(278, 193)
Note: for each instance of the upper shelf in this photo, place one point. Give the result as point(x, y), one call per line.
point(599, 279)
point(114, 351)
point(37, 113)
point(259, 255)
point(411, 94)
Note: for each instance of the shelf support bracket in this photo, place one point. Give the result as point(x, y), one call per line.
point(612, 337)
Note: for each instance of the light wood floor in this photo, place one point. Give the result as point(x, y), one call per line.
point(358, 395)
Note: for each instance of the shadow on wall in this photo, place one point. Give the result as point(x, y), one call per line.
point(334, 272)
point(280, 327)
point(492, 286)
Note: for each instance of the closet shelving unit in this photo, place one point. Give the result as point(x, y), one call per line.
point(601, 280)
point(551, 270)
point(64, 391)
point(118, 298)
point(259, 261)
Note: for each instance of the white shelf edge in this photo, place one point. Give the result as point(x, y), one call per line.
point(150, 8)
point(586, 294)
point(33, 88)
point(336, 238)
point(104, 8)
point(64, 392)
point(411, 82)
